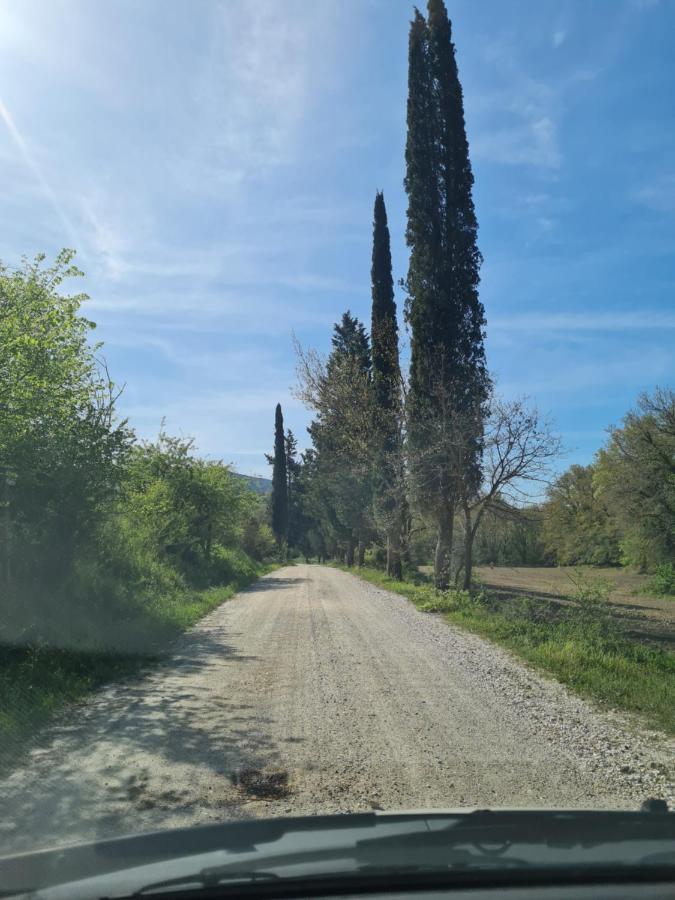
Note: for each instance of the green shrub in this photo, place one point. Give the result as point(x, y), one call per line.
point(231, 566)
point(376, 557)
point(447, 601)
point(662, 581)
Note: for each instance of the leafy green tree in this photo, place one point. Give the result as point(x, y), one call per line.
point(635, 478)
point(102, 540)
point(388, 473)
point(184, 508)
point(448, 378)
point(62, 446)
point(280, 484)
point(339, 391)
point(578, 527)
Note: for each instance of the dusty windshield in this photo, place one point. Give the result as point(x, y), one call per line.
point(337, 430)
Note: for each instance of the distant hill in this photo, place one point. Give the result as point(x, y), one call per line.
point(256, 483)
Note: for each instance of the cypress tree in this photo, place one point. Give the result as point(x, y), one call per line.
point(279, 484)
point(448, 378)
point(388, 492)
point(292, 473)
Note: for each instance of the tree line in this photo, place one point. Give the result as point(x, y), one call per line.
point(621, 507)
point(100, 532)
point(432, 465)
point(435, 450)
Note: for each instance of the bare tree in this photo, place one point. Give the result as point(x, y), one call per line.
point(519, 446)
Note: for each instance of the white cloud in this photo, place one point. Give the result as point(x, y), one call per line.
point(658, 195)
point(264, 71)
point(108, 237)
point(546, 224)
point(533, 141)
point(558, 38)
point(516, 123)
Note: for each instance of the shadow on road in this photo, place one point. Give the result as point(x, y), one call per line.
point(165, 743)
point(274, 583)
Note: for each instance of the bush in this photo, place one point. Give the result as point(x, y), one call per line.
point(662, 581)
point(230, 566)
point(376, 557)
point(448, 601)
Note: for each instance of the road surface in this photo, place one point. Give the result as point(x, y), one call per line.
point(315, 692)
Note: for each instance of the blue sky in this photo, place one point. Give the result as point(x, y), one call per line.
point(215, 165)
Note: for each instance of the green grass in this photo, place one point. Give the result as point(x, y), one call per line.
point(36, 683)
point(578, 645)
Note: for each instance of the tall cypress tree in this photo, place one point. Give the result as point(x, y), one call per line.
point(292, 473)
point(448, 377)
point(388, 487)
point(279, 483)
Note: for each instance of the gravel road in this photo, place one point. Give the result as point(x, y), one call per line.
point(315, 692)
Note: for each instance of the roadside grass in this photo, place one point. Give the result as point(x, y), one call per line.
point(38, 682)
point(579, 644)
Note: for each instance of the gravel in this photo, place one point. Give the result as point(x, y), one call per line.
point(314, 692)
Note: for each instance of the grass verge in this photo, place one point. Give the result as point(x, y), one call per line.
point(36, 683)
point(579, 645)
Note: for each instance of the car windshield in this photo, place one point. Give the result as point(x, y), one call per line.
point(337, 425)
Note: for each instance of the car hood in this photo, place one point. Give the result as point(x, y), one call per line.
point(464, 844)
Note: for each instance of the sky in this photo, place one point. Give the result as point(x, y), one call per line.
point(214, 164)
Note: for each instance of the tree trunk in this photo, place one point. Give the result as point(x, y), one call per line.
point(361, 554)
point(443, 550)
point(350, 553)
point(468, 550)
point(394, 569)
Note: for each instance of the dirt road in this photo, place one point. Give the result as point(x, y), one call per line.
point(315, 692)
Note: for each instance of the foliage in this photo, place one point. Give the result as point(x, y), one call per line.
point(635, 477)
point(62, 449)
point(389, 506)
point(622, 507)
point(448, 378)
point(512, 540)
point(578, 527)
point(662, 581)
point(279, 484)
point(181, 506)
point(337, 485)
point(108, 546)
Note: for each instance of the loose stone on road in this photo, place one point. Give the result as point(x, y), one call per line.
point(314, 692)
